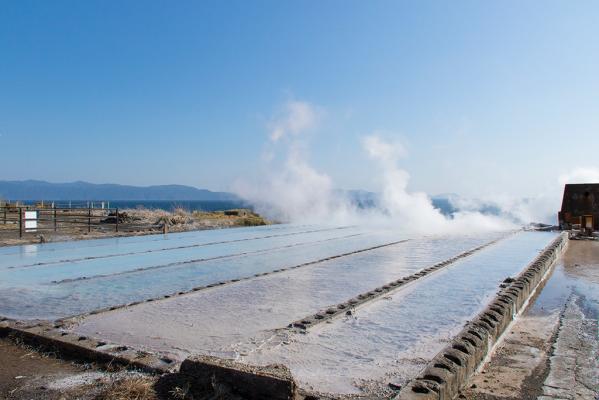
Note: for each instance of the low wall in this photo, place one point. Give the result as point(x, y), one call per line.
point(48, 337)
point(450, 369)
point(207, 374)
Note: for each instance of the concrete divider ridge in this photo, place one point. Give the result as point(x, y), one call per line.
point(450, 369)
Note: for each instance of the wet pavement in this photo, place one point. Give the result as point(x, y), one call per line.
point(552, 350)
point(574, 360)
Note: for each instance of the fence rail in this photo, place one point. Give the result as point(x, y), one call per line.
point(31, 219)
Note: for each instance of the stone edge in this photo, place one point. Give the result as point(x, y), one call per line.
point(448, 372)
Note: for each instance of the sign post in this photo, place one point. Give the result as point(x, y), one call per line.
point(30, 221)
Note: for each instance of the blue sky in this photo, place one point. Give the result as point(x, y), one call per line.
point(485, 96)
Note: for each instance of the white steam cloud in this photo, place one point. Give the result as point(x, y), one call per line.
point(296, 118)
point(415, 210)
point(293, 190)
point(541, 207)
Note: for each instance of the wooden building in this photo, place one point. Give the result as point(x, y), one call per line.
point(580, 207)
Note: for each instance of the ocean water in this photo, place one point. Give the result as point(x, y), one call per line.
point(167, 205)
point(443, 205)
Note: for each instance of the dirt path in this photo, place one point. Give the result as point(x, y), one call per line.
point(26, 374)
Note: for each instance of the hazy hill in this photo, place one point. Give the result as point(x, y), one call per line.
point(364, 199)
point(41, 190)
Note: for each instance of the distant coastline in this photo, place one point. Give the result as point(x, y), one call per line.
point(36, 190)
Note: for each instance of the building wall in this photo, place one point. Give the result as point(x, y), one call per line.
point(579, 200)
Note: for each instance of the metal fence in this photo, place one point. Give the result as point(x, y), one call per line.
point(35, 219)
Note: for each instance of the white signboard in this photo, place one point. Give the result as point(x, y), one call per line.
point(30, 221)
point(30, 224)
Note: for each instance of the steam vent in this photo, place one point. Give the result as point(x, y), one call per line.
point(580, 207)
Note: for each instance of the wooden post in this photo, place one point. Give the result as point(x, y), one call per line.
point(20, 222)
point(89, 219)
point(4, 215)
point(117, 219)
point(54, 219)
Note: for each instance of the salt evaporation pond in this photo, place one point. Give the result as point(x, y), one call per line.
point(385, 341)
point(56, 280)
point(394, 338)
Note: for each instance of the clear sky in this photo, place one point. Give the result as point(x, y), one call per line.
point(484, 95)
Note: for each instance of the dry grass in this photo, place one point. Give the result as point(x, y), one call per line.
point(135, 388)
point(181, 219)
point(143, 221)
point(178, 393)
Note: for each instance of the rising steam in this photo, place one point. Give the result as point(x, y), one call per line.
point(292, 190)
point(415, 210)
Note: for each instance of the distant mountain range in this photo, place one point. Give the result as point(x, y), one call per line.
point(42, 190)
point(446, 203)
